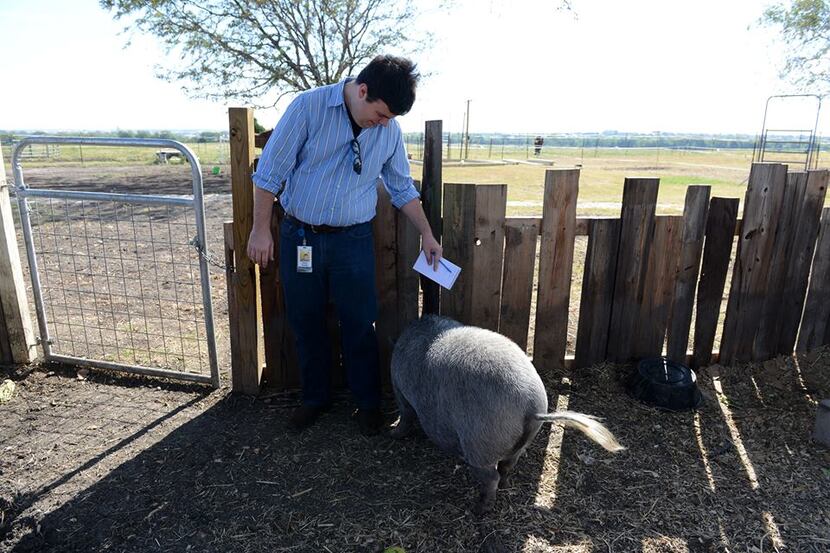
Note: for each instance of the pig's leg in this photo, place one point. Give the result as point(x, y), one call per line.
point(408, 417)
point(488, 480)
point(506, 467)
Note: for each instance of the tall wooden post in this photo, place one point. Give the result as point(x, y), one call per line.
point(802, 247)
point(474, 238)
point(247, 360)
point(815, 325)
point(597, 291)
point(555, 267)
point(717, 247)
point(750, 274)
point(16, 333)
point(694, 227)
point(636, 231)
point(431, 199)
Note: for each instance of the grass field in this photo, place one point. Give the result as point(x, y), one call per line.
point(603, 173)
point(77, 156)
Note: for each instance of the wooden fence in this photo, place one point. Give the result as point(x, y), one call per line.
point(17, 337)
point(644, 275)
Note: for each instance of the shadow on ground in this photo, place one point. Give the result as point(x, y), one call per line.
point(130, 466)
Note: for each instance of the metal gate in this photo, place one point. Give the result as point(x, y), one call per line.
point(113, 273)
point(794, 147)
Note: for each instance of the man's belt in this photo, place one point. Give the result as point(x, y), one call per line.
point(319, 229)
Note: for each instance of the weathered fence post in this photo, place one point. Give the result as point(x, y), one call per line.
point(517, 280)
point(766, 339)
point(657, 287)
point(248, 358)
point(386, 277)
point(815, 325)
point(802, 246)
point(694, 226)
point(762, 212)
point(280, 349)
point(597, 291)
point(431, 195)
point(408, 249)
point(720, 233)
point(396, 248)
point(636, 230)
point(555, 267)
point(474, 238)
point(17, 339)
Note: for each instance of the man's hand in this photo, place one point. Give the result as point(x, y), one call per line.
point(432, 249)
point(261, 247)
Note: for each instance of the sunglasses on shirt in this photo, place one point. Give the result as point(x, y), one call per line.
point(357, 162)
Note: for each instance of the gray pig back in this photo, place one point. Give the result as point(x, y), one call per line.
point(474, 390)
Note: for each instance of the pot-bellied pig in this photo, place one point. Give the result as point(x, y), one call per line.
point(475, 394)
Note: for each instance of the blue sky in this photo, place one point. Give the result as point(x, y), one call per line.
point(633, 65)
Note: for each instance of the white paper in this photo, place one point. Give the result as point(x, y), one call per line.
point(446, 274)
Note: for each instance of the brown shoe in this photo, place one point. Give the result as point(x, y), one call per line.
point(369, 421)
point(304, 416)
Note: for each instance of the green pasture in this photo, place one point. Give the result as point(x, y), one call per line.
point(603, 173)
point(91, 156)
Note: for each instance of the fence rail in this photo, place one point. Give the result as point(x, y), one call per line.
point(799, 147)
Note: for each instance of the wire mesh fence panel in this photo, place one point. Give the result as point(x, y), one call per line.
point(114, 274)
point(120, 282)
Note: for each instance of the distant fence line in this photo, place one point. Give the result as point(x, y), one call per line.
point(499, 146)
point(454, 147)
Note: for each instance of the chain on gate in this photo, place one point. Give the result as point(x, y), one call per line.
point(207, 256)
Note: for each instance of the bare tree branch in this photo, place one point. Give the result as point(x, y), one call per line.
point(249, 49)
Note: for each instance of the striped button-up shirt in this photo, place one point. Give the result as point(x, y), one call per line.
point(310, 153)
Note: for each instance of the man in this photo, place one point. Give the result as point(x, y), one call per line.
point(323, 159)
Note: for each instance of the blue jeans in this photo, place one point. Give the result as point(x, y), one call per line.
point(343, 271)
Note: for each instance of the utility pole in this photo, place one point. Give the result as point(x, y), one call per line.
point(467, 132)
point(461, 139)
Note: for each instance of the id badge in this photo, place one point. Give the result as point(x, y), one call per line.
point(303, 259)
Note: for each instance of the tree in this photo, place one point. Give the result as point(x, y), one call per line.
point(805, 26)
point(249, 49)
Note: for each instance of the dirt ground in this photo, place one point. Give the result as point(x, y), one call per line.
point(105, 462)
point(111, 463)
point(156, 179)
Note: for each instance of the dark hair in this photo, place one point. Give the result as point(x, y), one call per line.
point(391, 79)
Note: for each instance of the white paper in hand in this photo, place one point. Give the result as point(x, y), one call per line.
point(446, 274)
